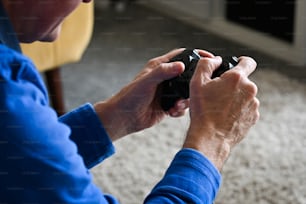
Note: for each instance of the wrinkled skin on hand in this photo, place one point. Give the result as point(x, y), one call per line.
point(222, 110)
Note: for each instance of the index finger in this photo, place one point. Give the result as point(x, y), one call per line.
point(245, 66)
point(168, 56)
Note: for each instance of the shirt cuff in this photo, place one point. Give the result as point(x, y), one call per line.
point(191, 178)
point(87, 131)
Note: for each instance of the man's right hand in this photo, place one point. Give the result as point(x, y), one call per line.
point(222, 110)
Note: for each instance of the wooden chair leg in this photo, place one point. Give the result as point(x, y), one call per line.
point(53, 80)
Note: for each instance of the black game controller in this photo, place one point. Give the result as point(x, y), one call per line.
point(178, 87)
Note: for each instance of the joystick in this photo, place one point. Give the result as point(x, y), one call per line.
point(178, 87)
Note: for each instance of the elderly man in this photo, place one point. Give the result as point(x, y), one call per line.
point(45, 159)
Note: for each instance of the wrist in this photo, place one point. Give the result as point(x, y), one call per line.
point(214, 147)
point(112, 122)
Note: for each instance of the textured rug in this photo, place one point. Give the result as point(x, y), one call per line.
point(268, 167)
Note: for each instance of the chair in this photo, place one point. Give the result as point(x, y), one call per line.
point(70, 46)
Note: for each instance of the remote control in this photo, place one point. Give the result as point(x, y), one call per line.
point(178, 87)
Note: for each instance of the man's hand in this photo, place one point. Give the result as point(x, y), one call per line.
point(222, 110)
point(137, 105)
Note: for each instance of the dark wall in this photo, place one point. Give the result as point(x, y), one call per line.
point(275, 17)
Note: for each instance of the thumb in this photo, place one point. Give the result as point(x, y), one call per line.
point(167, 71)
point(206, 66)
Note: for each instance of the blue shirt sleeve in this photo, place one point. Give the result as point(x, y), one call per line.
point(87, 132)
point(191, 178)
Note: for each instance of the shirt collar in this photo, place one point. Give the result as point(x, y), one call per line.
point(7, 34)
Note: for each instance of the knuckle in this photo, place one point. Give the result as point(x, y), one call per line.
point(206, 65)
point(251, 88)
point(240, 80)
point(208, 62)
point(235, 76)
point(256, 103)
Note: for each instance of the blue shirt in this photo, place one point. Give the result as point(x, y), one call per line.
point(46, 159)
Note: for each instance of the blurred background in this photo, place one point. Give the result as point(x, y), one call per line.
point(269, 166)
